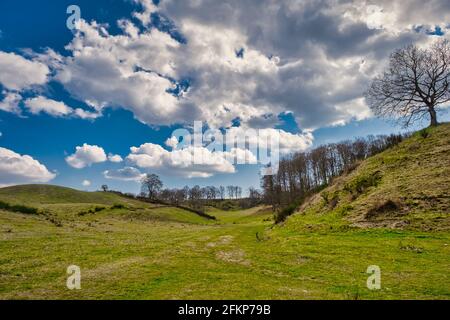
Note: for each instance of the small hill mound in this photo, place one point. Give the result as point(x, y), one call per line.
point(64, 204)
point(407, 186)
point(48, 194)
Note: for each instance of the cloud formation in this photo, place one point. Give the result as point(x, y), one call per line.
point(313, 58)
point(86, 183)
point(54, 108)
point(115, 158)
point(85, 156)
point(18, 73)
point(10, 102)
point(218, 61)
point(19, 169)
point(41, 104)
point(180, 162)
point(124, 174)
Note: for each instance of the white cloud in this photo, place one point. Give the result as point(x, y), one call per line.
point(311, 58)
point(87, 115)
point(395, 16)
point(310, 74)
point(288, 142)
point(122, 71)
point(19, 169)
point(124, 174)
point(18, 73)
point(180, 162)
point(86, 183)
point(115, 158)
point(205, 161)
point(172, 142)
point(10, 102)
point(149, 7)
point(41, 104)
point(85, 156)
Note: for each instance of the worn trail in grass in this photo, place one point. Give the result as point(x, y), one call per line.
point(132, 253)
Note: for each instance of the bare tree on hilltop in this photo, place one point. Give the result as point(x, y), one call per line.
point(151, 185)
point(415, 85)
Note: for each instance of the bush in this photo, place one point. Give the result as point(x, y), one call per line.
point(18, 208)
point(362, 183)
point(92, 210)
point(424, 133)
point(281, 215)
point(118, 206)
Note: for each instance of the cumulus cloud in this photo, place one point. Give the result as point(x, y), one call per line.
point(10, 102)
point(217, 151)
point(115, 158)
point(124, 174)
point(85, 156)
point(86, 183)
point(180, 162)
point(172, 142)
point(18, 73)
point(395, 16)
point(41, 104)
point(218, 61)
point(19, 169)
point(311, 58)
point(87, 115)
point(287, 142)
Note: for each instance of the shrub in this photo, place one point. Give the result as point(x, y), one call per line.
point(118, 206)
point(281, 215)
point(362, 183)
point(92, 210)
point(384, 208)
point(424, 133)
point(18, 208)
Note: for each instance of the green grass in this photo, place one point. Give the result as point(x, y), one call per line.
point(134, 250)
point(47, 194)
point(141, 252)
point(413, 175)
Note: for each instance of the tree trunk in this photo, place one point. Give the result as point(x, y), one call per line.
point(433, 117)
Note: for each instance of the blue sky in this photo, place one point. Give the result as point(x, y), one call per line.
point(29, 28)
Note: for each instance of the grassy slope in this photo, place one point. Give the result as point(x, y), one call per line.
point(139, 253)
point(69, 206)
point(405, 187)
point(48, 194)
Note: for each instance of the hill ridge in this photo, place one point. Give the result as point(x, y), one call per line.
point(406, 186)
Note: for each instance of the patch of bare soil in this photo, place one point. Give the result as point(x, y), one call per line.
point(235, 256)
point(386, 209)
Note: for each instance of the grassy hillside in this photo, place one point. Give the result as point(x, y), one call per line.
point(48, 194)
point(69, 206)
point(127, 249)
point(406, 187)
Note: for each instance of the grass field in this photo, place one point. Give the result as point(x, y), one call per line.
point(147, 252)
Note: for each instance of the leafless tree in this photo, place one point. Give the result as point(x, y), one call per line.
point(222, 192)
point(415, 85)
point(151, 184)
point(230, 191)
point(303, 173)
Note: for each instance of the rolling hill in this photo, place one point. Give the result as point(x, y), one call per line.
point(66, 204)
point(391, 211)
point(406, 187)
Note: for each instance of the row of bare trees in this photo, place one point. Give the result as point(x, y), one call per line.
point(302, 173)
point(200, 193)
point(196, 196)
